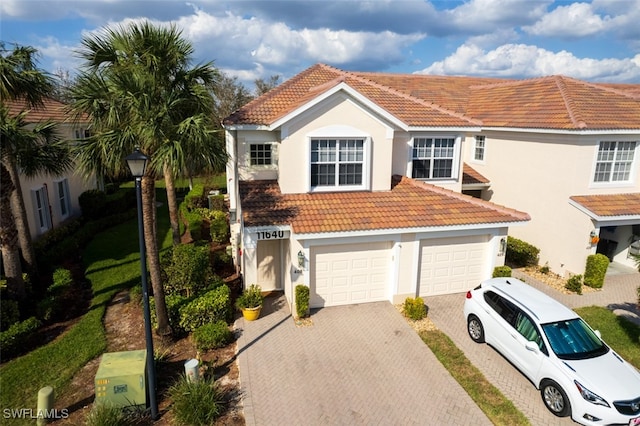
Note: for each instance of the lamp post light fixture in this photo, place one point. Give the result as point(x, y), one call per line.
point(137, 163)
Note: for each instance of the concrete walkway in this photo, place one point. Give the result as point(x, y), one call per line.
point(618, 294)
point(358, 364)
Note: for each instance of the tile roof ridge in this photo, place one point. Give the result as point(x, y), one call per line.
point(634, 96)
point(568, 102)
point(413, 98)
point(509, 82)
point(521, 216)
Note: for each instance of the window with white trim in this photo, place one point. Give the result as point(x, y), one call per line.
point(614, 161)
point(433, 158)
point(478, 149)
point(337, 162)
point(63, 200)
point(260, 154)
point(41, 209)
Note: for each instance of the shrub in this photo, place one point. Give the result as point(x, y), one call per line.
point(520, 253)
point(18, 337)
point(9, 313)
point(196, 403)
point(501, 271)
point(53, 304)
point(545, 269)
point(302, 300)
point(188, 269)
point(595, 270)
point(216, 202)
point(195, 198)
point(174, 303)
point(215, 305)
point(218, 226)
point(414, 308)
point(574, 284)
point(93, 204)
point(212, 335)
point(251, 297)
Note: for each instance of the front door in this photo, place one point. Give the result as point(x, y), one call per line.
point(269, 265)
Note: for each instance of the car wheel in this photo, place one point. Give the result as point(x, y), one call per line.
point(475, 329)
point(555, 399)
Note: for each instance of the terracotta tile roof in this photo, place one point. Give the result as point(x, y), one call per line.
point(610, 204)
point(554, 102)
point(409, 204)
point(50, 110)
point(319, 78)
point(470, 176)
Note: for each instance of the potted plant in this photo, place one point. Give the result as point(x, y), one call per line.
point(250, 302)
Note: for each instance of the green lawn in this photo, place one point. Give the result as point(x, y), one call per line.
point(112, 262)
point(619, 333)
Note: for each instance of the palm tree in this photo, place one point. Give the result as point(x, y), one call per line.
point(22, 82)
point(140, 91)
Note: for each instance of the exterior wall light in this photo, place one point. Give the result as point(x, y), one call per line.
point(301, 259)
point(503, 246)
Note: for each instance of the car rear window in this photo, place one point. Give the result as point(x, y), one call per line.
point(573, 339)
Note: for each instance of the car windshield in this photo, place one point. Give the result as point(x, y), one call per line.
point(573, 339)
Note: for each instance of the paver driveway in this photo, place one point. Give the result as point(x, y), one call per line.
point(358, 364)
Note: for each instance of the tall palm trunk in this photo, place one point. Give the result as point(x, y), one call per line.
point(153, 254)
point(22, 223)
point(172, 202)
point(9, 239)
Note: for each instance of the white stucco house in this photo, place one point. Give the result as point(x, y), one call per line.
point(353, 187)
point(51, 200)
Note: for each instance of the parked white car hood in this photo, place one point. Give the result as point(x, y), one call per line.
point(608, 376)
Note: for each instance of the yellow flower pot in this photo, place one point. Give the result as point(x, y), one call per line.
point(251, 314)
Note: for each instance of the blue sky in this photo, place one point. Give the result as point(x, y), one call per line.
point(596, 41)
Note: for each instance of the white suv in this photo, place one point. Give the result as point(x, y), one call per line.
point(576, 372)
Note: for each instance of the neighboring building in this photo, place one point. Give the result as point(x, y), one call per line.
point(353, 188)
point(51, 200)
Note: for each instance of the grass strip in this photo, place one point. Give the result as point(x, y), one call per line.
point(491, 401)
point(617, 331)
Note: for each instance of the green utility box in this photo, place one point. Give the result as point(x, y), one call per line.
point(121, 379)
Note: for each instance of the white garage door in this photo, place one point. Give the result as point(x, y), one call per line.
point(349, 273)
point(452, 265)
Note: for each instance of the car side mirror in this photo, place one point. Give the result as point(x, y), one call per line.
point(598, 334)
point(531, 346)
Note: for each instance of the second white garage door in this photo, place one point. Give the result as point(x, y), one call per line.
point(452, 265)
point(349, 273)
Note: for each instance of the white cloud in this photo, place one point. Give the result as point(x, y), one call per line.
point(574, 20)
point(519, 60)
point(487, 15)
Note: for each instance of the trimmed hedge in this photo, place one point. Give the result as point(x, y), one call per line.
point(501, 271)
point(212, 306)
point(520, 253)
point(212, 335)
point(595, 270)
point(18, 337)
point(302, 300)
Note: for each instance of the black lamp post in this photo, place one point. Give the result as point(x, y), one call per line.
point(137, 163)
